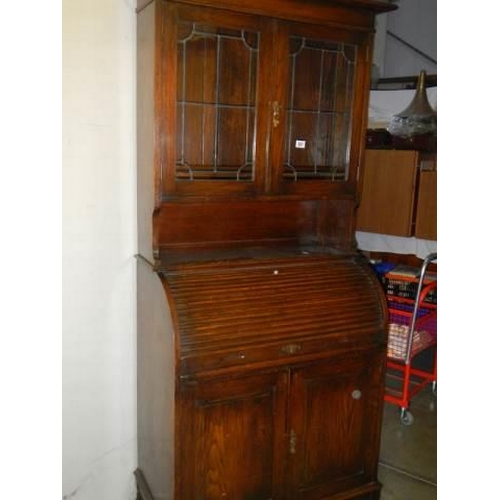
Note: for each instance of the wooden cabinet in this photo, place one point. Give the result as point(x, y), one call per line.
point(286, 429)
point(260, 104)
point(260, 383)
point(398, 195)
point(261, 330)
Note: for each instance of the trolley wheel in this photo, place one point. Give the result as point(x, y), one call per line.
point(435, 388)
point(406, 416)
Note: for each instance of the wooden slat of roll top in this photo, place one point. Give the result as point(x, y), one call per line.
point(233, 307)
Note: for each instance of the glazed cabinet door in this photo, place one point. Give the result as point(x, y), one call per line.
point(324, 73)
point(232, 438)
point(335, 423)
point(252, 104)
point(212, 66)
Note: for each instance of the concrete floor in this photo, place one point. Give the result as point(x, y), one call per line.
point(408, 454)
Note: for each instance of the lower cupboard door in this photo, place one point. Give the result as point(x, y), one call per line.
point(335, 424)
point(232, 439)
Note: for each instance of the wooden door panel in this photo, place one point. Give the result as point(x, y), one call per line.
point(387, 197)
point(213, 61)
point(330, 405)
point(334, 419)
point(231, 434)
point(320, 80)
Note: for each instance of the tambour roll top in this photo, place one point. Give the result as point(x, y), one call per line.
point(253, 310)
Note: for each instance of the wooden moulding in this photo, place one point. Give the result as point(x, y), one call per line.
point(358, 13)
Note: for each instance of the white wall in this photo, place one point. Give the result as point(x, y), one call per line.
point(99, 243)
point(415, 21)
point(378, 58)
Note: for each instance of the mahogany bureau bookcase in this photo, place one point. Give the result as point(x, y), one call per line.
point(261, 330)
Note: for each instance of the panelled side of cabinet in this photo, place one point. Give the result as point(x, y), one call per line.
point(148, 35)
point(426, 218)
point(157, 384)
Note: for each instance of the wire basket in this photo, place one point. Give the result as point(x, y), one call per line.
point(424, 335)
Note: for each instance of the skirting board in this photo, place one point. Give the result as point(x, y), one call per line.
point(143, 491)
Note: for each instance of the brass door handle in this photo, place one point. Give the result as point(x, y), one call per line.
point(276, 113)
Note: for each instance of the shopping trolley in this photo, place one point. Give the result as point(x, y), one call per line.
point(412, 304)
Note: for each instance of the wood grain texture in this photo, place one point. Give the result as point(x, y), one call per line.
point(234, 437)
point(387, 199)
point(268, 349)
point(336, 408)
point(229, 308)
point(236, 223)
point(354, 13)
point(426, 216)
point(398, 196)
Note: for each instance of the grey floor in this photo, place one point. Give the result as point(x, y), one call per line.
point(408, 454)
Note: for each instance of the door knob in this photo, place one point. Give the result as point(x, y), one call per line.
point(356, 394)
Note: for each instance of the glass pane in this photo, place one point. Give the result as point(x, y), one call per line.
point(216, 88)
point(319, 115)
